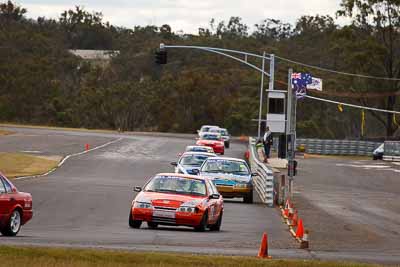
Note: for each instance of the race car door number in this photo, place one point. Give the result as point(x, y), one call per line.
point(164, 214)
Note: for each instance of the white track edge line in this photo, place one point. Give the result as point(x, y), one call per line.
point(67, 157)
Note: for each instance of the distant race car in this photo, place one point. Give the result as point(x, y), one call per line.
point(15, 208)
point(213, 140)
point(206, 128)
point(224, 134)
point(231, 176)
point(378, 152)
point(190, 162)
point(177, 199)
point(206, 149)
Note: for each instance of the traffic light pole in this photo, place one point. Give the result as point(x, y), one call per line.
point(228, 53)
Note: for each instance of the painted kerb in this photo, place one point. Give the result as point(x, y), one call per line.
point(264, 181)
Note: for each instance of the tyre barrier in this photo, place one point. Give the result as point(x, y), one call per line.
point(264, 181)
point(295, 224)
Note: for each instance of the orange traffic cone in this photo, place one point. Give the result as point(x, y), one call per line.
point(285, 213)
point(287, 204)
point(294, 219)
point(263, 252)
point(300, 229)
point(247, 154)
point(290, 212)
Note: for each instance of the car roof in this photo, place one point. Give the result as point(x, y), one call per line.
point(198, 147)
point(228, 158)
point(210, 126)
point(181, 175)
point(197, 153)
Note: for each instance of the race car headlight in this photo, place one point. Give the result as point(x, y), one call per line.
point(242, 185)
point(190, 207)
point(142, 205)
point(187, 209)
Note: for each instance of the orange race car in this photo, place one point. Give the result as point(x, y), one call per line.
point(179, 200)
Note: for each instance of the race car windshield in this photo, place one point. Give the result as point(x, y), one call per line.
point(205, 129)
point(197, 149)
point(224, 132)
point(225, 166)
point(176, 185)
point(193, 160)
point(210, 137)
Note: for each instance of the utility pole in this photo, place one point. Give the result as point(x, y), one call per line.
point(261, 96)
point(291, 131)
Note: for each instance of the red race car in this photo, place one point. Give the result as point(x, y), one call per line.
point(15, 207)
point(213, 140)
point(179, 200)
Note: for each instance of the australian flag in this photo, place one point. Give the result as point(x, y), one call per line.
point(300, 82)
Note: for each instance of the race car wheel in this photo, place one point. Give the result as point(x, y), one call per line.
point(134, 223)
point(152, 225)
point(217, 225)
point(223, 152)
point(13, 225)
point(203, 224)
point(248, 198)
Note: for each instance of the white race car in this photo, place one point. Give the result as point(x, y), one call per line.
point(190, 162)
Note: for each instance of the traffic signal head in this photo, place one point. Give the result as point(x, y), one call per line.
point(161, 57)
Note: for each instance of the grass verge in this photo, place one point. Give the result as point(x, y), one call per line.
point(48, 257)
point(4, 132)
point(18, 164)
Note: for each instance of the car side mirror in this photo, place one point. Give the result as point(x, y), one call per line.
point(174, 164)
point(254, 174)
point(214, 196)
point(137, 189)
point(196, 171)
point(14, 190)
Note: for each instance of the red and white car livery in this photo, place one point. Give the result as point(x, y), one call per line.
point(15, 207)
point(179, 200)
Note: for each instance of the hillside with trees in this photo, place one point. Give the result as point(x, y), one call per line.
point(41, 82)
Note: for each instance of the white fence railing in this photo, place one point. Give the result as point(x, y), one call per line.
point(264, 181)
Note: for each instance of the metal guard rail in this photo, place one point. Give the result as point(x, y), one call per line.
point(264, 181)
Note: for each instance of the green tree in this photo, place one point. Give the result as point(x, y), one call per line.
point(376, 23)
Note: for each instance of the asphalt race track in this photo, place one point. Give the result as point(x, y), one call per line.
point(85, 203)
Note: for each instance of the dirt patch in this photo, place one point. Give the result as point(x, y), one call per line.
point(4, 132)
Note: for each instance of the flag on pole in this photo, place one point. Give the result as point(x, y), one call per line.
point(300, 81)
point(316, 84)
